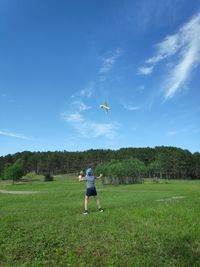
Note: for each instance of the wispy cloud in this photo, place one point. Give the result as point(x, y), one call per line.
point(11, 134)
point(80, 105)
point(166, 48)
point(171, 133)
point(89, 128)
point(152, 13)
point(140, 89)
point(130, 107)
point(183, 49)
point(88, 90)
point(108, 62)
point(145, 70)
point(73, 118)
point(188, 128)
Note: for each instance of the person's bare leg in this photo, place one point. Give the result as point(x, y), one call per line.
point(98, 202)
point(86, 202)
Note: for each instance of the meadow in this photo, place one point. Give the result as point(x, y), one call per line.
point(150, 224)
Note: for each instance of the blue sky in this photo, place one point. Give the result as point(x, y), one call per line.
point(60, 59)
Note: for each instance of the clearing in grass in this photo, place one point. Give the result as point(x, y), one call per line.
point(47, 228)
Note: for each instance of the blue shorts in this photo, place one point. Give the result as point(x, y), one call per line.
point(91, 192)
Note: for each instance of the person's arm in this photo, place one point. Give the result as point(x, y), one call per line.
point(100, 176)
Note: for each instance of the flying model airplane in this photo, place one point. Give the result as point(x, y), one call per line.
point(105, 106)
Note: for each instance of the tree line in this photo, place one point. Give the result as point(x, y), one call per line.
point(161, 161)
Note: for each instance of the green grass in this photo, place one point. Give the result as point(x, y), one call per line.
point(48, 228)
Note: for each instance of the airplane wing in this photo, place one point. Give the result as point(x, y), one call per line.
point(105, 106)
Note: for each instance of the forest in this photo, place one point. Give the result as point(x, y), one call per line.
point(161, 161)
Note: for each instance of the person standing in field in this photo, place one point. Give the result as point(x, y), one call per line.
point(91, 190)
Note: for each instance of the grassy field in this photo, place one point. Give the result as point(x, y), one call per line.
point(143, 225)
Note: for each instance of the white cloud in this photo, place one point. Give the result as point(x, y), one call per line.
point(168, 47)
point(171, 133)
point(10, 134)
point(75, 117)
point(85, 92)
point(180, 73)
point(132, 108)
point(89, 128)
point(183, 49)
point(79, 105)
point(108, 62)
point(88, 90)
point(145, 70)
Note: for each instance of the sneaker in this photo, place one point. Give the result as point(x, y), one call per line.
point(85, 212)
point(100, 210)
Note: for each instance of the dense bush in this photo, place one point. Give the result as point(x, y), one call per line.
point(14, 172)
point(121, 172)
point(48, 177)
point(30, 175)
